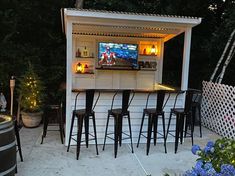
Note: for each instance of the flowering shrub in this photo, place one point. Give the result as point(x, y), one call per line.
point(216, 159)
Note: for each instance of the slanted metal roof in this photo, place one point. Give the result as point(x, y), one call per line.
point(131, 13)
point(127, 24)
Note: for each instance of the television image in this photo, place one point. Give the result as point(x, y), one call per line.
point(117, 55)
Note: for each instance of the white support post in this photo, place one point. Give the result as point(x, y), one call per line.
point(186, 59)
point(160, 62)
point(69, 73)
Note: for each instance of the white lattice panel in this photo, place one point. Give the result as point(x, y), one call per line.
point(218, 108)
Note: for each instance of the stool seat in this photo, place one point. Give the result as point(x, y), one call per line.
point(178, 110)
point(152, 111)
point(117, 112)
point(83, 112)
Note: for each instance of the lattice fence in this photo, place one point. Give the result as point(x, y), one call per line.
point(218, 108)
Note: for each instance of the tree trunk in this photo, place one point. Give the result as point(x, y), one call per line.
point(222, 56)
point(79, 4)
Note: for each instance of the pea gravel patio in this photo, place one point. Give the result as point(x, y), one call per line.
point(52, 159)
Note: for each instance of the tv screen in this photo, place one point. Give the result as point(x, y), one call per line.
point(117, 55)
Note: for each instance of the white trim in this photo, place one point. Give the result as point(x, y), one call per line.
point(68, 77)
point(141, 17)
point(186, 58)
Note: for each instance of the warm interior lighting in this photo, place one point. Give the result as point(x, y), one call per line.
point(153, 50)
point(162, 87)
point(79, 68)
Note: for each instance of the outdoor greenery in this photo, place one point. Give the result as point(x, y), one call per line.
point(216, 159)
point(31, 91)
point(31, 31)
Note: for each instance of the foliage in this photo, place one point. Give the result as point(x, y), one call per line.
point(31, 90)
point(38, 37)
point(216, 159)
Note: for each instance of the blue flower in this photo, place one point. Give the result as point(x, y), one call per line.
point(208, 166)
point(227, 169)
point(195, 149)
point(207, 149)
point(210, 144)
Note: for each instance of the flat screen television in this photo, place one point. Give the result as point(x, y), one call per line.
point(118, 55)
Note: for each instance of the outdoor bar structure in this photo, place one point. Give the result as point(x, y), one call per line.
point(119, 50)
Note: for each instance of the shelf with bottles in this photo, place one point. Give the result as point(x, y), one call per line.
point(148, 48)
point(84, 52)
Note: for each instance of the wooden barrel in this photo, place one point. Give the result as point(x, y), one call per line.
point(7, 146)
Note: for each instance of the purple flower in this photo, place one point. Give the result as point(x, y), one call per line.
point(195, 149)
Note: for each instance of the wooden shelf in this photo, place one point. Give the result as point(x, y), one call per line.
point(117, 68)
point(89, 57)
point(148, 69)
point(88, 73)
point(148, 55)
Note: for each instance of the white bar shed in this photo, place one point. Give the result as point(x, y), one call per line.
point(85, 29)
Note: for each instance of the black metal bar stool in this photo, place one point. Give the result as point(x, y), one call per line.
point(182, 115)
point(196, 107)
point(84, 115)
point(118, 115)
point(18, 139)
point(50, 110)
point(153, 115)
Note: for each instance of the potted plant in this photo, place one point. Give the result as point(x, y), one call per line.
point(31, 98)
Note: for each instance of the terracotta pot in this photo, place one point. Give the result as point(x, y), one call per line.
point(31, 120)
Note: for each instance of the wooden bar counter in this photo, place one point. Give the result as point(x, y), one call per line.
point(136, 107)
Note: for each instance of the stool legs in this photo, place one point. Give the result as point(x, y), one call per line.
point(45, 125)
point(18, 141)
point(60, 121)
point(116, 126)
point(59, 114)
point(200, 120)
point(164, 131)
point(168, 126)
point(79, 134)
point(129, 122)
point(118, 120)
point(106, 130)
point(80, 120)
point(71, 131)
point(94, 125)
point(86, 121)
point(150, 123)
point(141, 126)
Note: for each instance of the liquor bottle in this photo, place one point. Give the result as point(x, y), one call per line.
point(85, 52)
point(78, 53)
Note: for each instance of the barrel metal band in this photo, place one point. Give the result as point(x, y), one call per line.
point(6, 130)
point(5, 147)
point(8, 171)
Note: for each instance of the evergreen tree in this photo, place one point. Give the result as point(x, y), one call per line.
point(31, 90)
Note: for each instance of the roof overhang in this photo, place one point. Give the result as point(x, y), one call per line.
point(108, 23)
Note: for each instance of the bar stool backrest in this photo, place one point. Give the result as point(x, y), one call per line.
point(89, 100)
point(125, 100)
point(188, 101)
point(160, 100)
